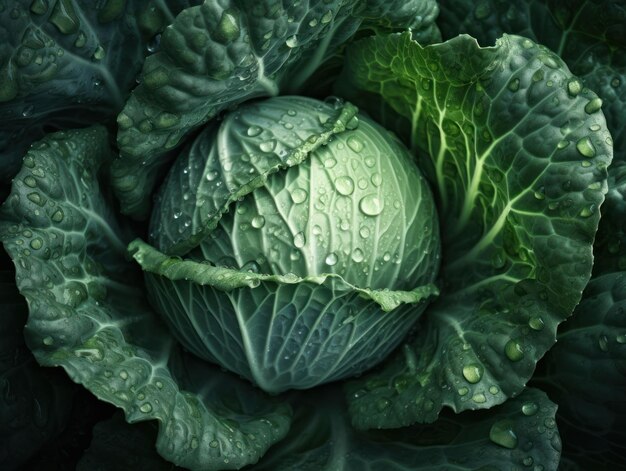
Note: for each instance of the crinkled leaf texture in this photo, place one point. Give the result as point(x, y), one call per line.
point(520, 433)
point(35, 403)
point(254, 193)
point(220, 54)
point(517, 152)
point(70, 63)
point(589, 35)
point(585, 371)
point(88, 316)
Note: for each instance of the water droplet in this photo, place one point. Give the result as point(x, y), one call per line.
point(145, 408)
point(574, 87)
point(254, 131)
point(30, 181)
point(154, 43)
point(344, 185)
point(228, 27)
point(513, 350)
point(357, 255)
point(473, 373)
point(615, 82)
point(530, 408)
point(317, 230)
point(621, 339)
point(58, 215)
point(585, 147)
point(364, 232)
point(327, 18)
point(479, 398)
point(292, 41)
point(355, 144)
point(536, 323)
point(514, 85)
point(313, 23)
point(298, 195)
point(562, 144)
point(593, 106)
point(501, 433)
point(463, 391)
point(258, 222)
point(377, 180)
point(329, 162)
point(124, 375)
point(299, 240)
point(48, 340)
point(267, 146)
point(549, 61)
point(371, 205)
point(98, 53)
point(595, 127)
point(36, 243)
point(588, 211)
point(494, 390)
point(332, 259)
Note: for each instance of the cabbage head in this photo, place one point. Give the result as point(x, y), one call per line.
point(310, 241)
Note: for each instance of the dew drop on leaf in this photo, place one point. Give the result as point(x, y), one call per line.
point(530, 408)
point(473, 373)
point(371, 205)
point(501, 433)
point(344, 185)
point(585, 147)
point(513, 350)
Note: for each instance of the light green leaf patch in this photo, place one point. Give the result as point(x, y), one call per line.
point(587, 35)
point(226, 279)
point(88, 316)
point(516, 150)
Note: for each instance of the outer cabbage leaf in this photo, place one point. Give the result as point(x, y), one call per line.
point(220, 54)
point(35, 403)
point(517, 151)
point(520, 433)
point(88, 317)
point(585, 372)
point(589, 35)
point(68, 63)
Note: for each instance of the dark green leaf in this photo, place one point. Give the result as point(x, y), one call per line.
point(88, 316)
